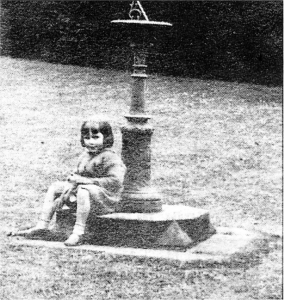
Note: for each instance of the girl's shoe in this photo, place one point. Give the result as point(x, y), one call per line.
point(34, 231)
point(74, 240)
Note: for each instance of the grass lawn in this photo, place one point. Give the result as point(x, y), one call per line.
point(217, 145)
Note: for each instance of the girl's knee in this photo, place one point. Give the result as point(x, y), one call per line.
point(58, 187)
point(54, 187)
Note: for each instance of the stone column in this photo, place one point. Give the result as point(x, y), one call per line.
point(139, 194)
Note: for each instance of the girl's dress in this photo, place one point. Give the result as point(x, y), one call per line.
point(108, 170)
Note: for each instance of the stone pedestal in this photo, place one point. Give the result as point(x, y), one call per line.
point(139, 195)
point(174, 226)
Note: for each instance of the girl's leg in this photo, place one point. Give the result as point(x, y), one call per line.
point(48, 209)
point(82, 213)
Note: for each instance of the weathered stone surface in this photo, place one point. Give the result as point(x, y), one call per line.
point(174, 226)
point(168, 213)
point(174, 236)
point(231, 246)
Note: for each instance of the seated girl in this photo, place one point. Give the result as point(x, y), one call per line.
point(97, 182)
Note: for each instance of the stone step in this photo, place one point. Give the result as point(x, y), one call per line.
point(174, 226)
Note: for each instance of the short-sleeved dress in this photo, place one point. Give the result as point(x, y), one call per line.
point(108, 170)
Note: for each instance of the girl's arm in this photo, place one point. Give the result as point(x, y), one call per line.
point(113, 179)
point(78, 179)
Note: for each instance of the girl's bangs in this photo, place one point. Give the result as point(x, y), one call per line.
point(93, 127)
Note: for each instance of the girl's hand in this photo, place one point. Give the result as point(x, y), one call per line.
point(75, 178)
point(72, 178)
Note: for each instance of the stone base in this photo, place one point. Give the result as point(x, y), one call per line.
point(174, 226)
point(229, 246)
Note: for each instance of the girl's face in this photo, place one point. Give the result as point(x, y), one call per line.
point(93, 140)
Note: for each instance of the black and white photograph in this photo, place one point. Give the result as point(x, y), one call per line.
point(141, 150)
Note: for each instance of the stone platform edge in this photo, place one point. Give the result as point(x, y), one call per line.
point(227, 246)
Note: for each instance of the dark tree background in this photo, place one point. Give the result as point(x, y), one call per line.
point(228, 40)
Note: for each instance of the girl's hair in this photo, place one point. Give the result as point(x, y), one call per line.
point(98, 126)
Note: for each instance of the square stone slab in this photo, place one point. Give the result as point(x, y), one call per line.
point(174, 226)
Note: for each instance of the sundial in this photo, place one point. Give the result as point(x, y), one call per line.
point(142, 220)
point(139, 193)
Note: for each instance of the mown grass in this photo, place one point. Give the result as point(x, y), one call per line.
point(217, 145)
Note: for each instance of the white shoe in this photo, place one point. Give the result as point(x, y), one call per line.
point(74, 240)
point(29, 232)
